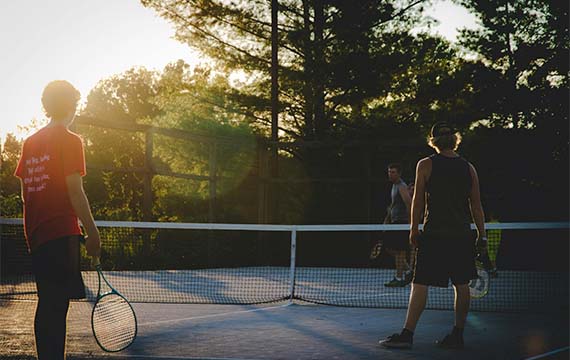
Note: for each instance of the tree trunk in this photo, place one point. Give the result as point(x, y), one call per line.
point(321, 123)
point(309, 127)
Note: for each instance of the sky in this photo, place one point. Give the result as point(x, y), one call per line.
point(89, 40)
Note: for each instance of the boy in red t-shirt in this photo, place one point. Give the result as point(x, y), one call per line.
point(50, 169)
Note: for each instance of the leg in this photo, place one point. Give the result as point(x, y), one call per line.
point(412, 261)
point(462, 302)
point(57, 275)
point(401, 263)
point(50, 328)
point(454, 340)
point(405, 339)
point(418, 299)
point(402, 277)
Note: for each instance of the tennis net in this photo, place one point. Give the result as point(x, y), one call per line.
point(325, 264)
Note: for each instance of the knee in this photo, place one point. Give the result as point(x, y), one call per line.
point(53, 305)
point(419, 289)
point(462, 289)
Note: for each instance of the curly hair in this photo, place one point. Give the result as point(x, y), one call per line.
point(445, 142)
point(59, 98)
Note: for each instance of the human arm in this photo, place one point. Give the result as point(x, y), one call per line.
point(80, 205)
point(423, 171)
point(477, 209)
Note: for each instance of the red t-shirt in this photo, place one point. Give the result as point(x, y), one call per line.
point(48, 157)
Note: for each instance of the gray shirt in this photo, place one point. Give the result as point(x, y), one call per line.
point(398, 208)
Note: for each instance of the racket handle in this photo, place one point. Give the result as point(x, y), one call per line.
point(95, 261)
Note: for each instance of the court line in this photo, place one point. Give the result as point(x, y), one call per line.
point(372, 296)
point(122, 356)
point(213, 315)
point(549, 353)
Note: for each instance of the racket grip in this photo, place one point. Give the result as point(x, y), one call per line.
point(95, 261)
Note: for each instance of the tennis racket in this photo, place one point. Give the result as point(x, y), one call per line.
point(479, 287)
point(113, 319)
point(377, 247)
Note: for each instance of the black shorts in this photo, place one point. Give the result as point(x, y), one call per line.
point(56, 267)
point(445, 255)
point(396, 240)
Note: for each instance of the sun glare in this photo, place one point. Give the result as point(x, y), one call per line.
point(87, 44)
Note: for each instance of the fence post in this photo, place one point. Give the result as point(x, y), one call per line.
point(212, 182)
point(148, 175)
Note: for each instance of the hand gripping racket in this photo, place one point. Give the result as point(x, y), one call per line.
point(113, 319)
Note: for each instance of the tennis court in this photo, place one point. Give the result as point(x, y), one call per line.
point(281, 331)
point(237, 291)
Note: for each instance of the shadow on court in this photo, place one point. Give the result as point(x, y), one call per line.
point(172, 331)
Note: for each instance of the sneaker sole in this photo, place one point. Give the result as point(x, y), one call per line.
point(395, 346)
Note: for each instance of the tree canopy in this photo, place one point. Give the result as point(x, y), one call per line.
point(360, 85)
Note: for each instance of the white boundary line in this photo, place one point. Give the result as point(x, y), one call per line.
point(363, 298)
point(150, 323)
point(122, 356)
point(541, 356)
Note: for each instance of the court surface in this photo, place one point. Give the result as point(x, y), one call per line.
point(297, 331)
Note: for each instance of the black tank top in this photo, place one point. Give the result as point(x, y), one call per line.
point(448, 190)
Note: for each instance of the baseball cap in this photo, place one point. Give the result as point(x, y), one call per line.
point(442, 128)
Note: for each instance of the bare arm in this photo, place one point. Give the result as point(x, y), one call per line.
point(475, 204)
point(423, 171)
point(22, 190)
point(80, 204)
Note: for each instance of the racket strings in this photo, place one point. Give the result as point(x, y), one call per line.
point(114, 323)
point(479, 287)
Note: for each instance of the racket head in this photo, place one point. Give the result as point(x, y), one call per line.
point(479, 287)
point(376, 250)
point(114, 322)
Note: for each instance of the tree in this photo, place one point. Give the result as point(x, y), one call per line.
point(522, 49)
point(180, 98)
point(334, 55)
point(10, 201)
point(525, 45)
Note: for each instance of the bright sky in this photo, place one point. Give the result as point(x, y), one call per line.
point(88, 40)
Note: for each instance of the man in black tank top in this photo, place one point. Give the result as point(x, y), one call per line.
point(447, 186)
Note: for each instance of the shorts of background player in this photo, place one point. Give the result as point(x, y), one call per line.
point(56, 267)
point(445, 255)
point(397, 240)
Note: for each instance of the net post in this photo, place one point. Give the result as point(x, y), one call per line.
point(293, 264)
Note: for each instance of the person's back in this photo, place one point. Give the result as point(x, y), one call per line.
point(48, 156)
point(448, 189)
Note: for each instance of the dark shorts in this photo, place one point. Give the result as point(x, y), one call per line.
point(445, 255)
point(56, 267)
point(396, 240)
